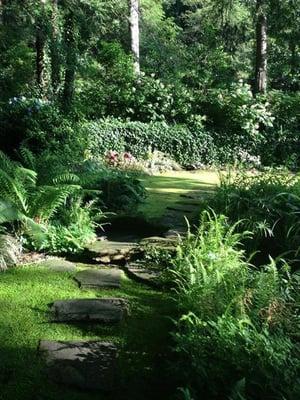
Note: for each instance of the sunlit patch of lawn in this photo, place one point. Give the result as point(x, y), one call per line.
point(165, 190)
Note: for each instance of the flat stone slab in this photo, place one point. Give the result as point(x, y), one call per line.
point(104, 248)
point(184, 210)
point(102, 278)
point(139, 272)
point(165, 244)
point(174, 234)
point(58, 265)
point(160, 240)
point(87, 365)
point(107, 310)
point(198, 196)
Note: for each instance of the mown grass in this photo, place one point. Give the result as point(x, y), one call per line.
point(165, 190)
point(143, 340)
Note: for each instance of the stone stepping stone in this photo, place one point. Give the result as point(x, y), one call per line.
point(98, 279)
point(139, 272)
point(107, 310)
point(160, 240)
point(58, 265)
point(162, 243)
point(186, 209)
point(110, 248)
point(87, 365)
point(198, 196)
point(174, 234)
point(106, 251)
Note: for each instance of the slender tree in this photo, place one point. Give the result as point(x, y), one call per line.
point(54, 48)
point(135, 33)
point(261, 48)
point(1, 11)
point(71, 58)
point(40, 41)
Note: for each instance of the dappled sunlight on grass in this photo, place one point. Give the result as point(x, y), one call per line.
point(166, 189)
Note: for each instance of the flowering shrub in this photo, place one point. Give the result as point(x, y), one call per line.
point(120, 160)
point(249, 160)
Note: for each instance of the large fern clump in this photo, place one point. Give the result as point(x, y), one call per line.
point(30, 205)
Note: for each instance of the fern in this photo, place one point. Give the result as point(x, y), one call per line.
point(22, 199)
point(48, 199)
point(28, 158)
point(66, 178)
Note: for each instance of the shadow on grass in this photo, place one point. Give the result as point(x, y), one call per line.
point(145, 345)
point(143, 339)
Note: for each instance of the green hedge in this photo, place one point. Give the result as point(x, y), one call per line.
point(182, 144)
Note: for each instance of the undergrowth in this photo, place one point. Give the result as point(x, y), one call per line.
point(238, 334)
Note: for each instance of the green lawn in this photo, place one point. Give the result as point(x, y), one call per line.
point(165, 189)
point(25, 294)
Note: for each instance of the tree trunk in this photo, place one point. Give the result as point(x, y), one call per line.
point(40, 41)
point(135, 34)
point(40, 55)
point(54, 50)
point(261, 49)
point(1, 12)
point(71, 60)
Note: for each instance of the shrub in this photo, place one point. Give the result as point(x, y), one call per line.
point(237, 337)
point(72, 230)
point(237, 118)
point(268, 204)
point(117, 190)
point(36, 123)
point(282, 140)
point(182, 144)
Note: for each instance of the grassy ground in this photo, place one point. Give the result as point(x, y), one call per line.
point(25, 295)
point(165, 190)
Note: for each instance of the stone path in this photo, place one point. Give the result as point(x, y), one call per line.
point(99, 279)
point(106, 251)
point(92, 365)
point(140, 272)
point(105, 310)
point(87, 365)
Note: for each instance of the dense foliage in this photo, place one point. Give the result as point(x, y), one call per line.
point(64, 62)
point(268, 205)
point(237, 337)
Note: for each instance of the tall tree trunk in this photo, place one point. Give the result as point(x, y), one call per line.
point(261, 48)
point(71, 60)
point(40, 41)
point(54, 49)
point(135, 33)
point(1, 12)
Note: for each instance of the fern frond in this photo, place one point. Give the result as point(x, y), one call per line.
point(6, 164)
point(37, 232)
point(12, 190)
point(9, 213)
point(28, 158)
point(49, 198)
point(66, 178)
